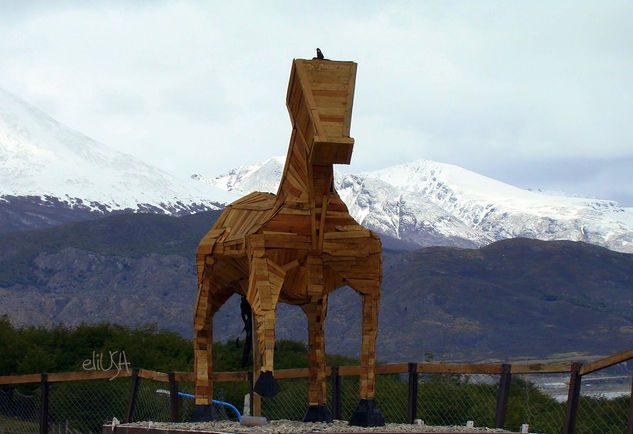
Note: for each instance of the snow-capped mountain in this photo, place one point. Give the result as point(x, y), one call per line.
point(47, 169)
point(264, 176)
point(430, 203)
point(44, 160)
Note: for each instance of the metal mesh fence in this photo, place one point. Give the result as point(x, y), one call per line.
point(153, 400)
point(291, 403)
point(392, 394)
point(538, 400)
point(454, 399)
point(443, 399)
point(605, 400)
point(349, 396)
point(185, 405)
point(19, 408)
point(232, 393)
point(84, 406)
point(151, 404)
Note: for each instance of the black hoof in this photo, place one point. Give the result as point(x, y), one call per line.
point(203, 413)
point(367, 414)
point(266, 385)
point(317, 413)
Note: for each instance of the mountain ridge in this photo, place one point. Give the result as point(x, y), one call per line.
point(45, 161)
point(430, 203)
point(50, 174)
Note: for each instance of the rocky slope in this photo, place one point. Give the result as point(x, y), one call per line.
point(515, 298)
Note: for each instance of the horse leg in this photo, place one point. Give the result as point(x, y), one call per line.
point(210, 299)
point(317, 410)
point(265, 281)
point(367, 413)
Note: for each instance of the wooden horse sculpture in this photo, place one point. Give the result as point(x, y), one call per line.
point(296, 246)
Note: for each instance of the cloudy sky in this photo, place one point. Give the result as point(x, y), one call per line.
point(537, 94)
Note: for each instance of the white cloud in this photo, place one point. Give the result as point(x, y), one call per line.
point(200, 86)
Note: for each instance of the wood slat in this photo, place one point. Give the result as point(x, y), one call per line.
point(291, 373)
point(230, 376)
point(338, 235)
point(392, 368)
point(88, 375)
point(458, 368)
point(349, 370)
point(606, 362)
point(185, 377)
point(20, 379)
point(153, 375)
point(540, 368)
point(55, 377)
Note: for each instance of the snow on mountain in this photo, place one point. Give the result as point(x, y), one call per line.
point(43, 158)
point(430, 203)
point(264, 176)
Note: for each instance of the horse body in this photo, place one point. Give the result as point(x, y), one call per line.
point(296, 246)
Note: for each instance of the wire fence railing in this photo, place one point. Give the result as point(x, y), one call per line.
point(454, 399)
point(547, 397)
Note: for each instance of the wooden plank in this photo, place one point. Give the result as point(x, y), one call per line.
point(350, 100)
point(230, 376)
point(540, 368)
point(295, 211)
point(349, 370)
point(324, 201)
point(289, 223)
point(458, 368)
point(20, 379)
point(364, 233)
point(185, 377)
point(606, 362)
point(265, 206)
point(329, 93)
point(64, 376)
point(392, 368)
point(153, 375)
point(88, 375)
point(253, 197)
point(291, 373)
point(326, 151)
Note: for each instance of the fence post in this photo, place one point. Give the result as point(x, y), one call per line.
point(173, 397)
point(250, 391)
point(572, 399)
point(630, 427)
point(129, 415)
point(502, 398)
point(336, 393)
point(413, 392)
point(44, 389)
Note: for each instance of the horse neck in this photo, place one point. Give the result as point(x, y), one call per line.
point(303, 183)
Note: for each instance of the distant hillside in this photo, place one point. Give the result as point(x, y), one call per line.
point(514, 298)
point(521, 297)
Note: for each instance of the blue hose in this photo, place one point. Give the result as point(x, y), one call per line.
point(226, 404)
